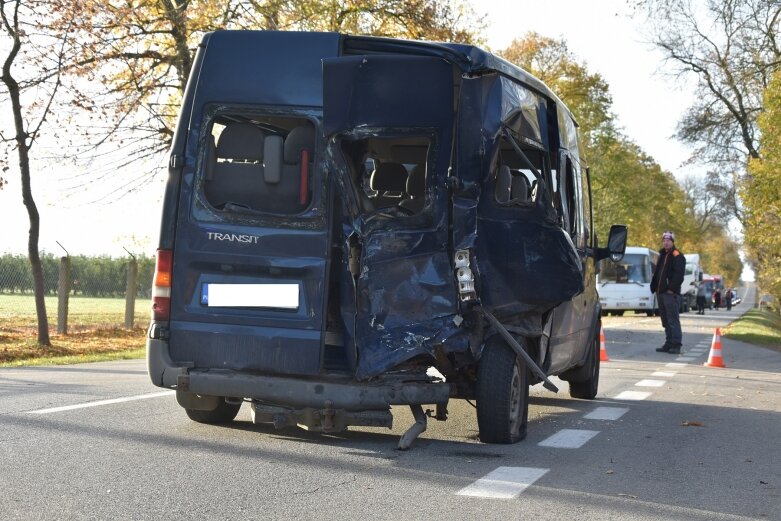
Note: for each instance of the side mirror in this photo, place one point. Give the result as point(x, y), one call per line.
point(616, 243)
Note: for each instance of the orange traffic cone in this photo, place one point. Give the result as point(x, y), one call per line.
point(715, 359)
point(602, 351)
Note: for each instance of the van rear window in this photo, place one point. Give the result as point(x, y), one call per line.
point(259, 164)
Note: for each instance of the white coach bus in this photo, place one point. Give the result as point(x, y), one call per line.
point(626, 285)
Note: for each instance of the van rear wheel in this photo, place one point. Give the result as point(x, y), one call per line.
point(502, 394)
point(224, 413)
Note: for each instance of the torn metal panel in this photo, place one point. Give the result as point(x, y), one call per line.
point(405, 296)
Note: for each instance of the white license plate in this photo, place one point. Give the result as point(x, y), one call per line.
point(282, 296)
point(622, 304)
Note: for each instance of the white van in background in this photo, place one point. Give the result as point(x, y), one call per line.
point(691, 280)
point(626, 285)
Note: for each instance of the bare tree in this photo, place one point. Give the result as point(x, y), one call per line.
point(29, 113)
point(139, 55)
point(710, 197)
point(732, 48)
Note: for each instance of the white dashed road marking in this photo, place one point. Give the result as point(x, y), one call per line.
point(650, 383)
point(568, 439)
point(606, 413)
point(675, 364)
point(503, 483)
point(684, 359)
point(102, 402)
point(663, 374)
point(633, 395)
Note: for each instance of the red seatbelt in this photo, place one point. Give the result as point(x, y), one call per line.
point(303, 195)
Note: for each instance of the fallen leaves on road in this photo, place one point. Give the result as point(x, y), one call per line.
point(692, 424)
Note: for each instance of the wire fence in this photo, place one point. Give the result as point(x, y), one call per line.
point(80, 292)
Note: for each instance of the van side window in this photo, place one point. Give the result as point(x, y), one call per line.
point(573, 207)
point(514, 181)
point(259, 165)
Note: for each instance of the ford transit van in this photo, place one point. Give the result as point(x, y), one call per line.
point(356, 223)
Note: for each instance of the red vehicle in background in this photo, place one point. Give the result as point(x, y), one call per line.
point(713, 284)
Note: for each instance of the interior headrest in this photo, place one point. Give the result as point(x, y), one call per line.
point(241, 141)
point(416, 182)
point(389, 177)
point(300, 138)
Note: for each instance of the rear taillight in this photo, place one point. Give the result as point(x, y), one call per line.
point(161, 287)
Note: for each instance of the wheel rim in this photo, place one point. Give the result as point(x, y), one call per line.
point(515, 400)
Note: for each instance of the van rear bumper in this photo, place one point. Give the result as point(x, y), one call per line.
point(291, 392)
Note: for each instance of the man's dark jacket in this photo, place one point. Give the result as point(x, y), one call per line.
point(669, 272)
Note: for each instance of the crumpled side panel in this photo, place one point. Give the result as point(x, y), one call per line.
point(404, 303)
point(525, 265)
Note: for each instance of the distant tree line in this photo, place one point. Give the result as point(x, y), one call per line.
point(100, 276)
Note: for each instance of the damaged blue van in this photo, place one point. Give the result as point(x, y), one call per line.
point(354, 223)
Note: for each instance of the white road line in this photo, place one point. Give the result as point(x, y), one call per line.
point(568, 439)
point(633, 395)
point(606, 413)
point(663, 374)
point(675, 364)
point(102, 402)
point(503, 483)
point(650, 383)
point(685, 358)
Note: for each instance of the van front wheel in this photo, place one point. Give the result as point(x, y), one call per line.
point(584, 381)
point(502, 394)
point(224, 413)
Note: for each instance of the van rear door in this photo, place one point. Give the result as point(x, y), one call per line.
point(378, 110)
point(250, 253)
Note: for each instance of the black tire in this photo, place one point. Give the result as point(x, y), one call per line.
point(584, 381)
point(502, 394)
point(224, 413)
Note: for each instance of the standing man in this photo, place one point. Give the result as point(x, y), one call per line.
point(666, 284)
point(701, 293)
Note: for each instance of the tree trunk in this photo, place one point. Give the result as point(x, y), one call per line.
point(23, 148)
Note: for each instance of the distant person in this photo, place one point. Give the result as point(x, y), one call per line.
point(728, 298)
point(702, 292)
point(717, 298)
point(666, 284)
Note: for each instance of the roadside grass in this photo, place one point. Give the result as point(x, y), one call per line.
point(759, 327)
point(95, 331)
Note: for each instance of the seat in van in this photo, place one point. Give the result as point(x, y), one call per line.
point(299, 159)
point(237, 175)
point(504, 181)
point(389, 180)
point(416, 188)
point(519, 189)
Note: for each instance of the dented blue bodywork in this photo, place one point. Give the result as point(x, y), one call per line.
point(387, 282)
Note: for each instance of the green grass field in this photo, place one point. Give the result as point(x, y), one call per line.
point(18, 311)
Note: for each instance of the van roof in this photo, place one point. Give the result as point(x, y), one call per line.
point(470, 59)
point(303, 46)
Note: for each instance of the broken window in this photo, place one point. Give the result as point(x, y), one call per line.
point(259, 164)
point(516, 183)
point(389, 173)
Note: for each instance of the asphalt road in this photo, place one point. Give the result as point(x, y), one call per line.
point(666, 439)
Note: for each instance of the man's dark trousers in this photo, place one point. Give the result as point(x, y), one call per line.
point(671, 321)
